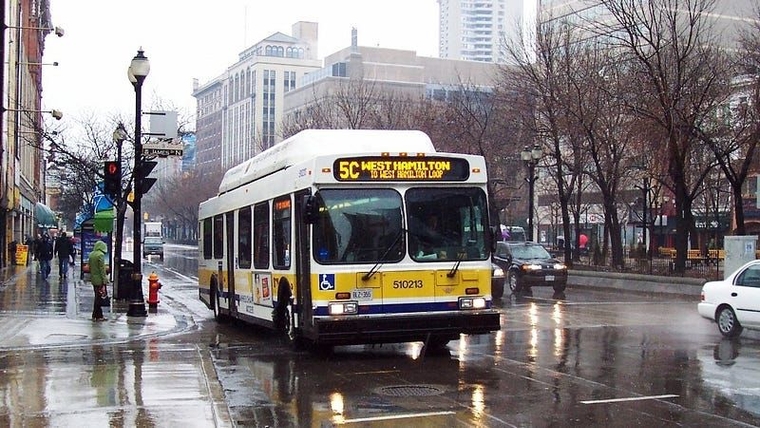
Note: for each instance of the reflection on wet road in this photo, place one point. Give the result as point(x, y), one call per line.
point(629, 361)
point(110, 385)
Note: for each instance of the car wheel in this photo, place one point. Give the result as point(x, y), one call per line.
point(514, 286)
point(728, 325)
point(559, 288)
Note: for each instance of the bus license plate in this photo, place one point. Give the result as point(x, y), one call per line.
point(550, 277)
point(362, 294)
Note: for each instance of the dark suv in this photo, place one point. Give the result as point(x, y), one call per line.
point(528, 264)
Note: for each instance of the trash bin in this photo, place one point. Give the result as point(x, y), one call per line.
point(126, 269)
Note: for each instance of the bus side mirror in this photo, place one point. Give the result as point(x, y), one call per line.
point(310, 209)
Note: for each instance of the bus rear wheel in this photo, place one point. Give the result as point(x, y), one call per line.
point(215, 297)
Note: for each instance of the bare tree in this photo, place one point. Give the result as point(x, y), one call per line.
point(667, 44)
point(536, 85)
point(178, 198)
point(733, 132)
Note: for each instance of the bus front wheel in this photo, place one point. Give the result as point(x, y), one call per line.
point(215, 297)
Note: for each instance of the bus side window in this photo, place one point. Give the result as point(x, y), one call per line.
point(244, 238)
point(281, 216)
point(207, 238)
point(261, 236)
point(218, 236)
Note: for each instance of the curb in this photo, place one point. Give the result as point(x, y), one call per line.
point(636, 282)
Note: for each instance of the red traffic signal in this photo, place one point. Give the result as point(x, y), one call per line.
point(112, 178)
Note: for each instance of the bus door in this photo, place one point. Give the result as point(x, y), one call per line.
point(229, 224)
point(303, 264)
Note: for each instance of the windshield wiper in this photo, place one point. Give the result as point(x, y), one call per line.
point(454, 269)
point(377, 265)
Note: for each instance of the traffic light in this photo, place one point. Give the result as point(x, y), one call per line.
point(143, 170)
point(112, 178)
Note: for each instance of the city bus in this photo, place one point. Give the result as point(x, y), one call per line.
point(351, 237)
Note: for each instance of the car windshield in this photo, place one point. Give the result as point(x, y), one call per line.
point(152, 240)
point(530, 252)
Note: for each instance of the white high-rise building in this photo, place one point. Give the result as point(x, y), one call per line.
point(480, 30)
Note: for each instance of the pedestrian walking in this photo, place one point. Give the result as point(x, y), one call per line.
point(36, 251)
point(63, 249)
point(44, 255)
point(98, 277)
point(29, 242)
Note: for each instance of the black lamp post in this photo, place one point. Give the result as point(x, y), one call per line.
point(137, 72)
point(119, 136)
point(531, 158)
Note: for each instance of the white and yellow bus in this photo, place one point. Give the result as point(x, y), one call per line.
point(349, 237)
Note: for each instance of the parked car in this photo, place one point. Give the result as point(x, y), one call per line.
point(734, 302)
point(528, 264)
point(153, 245)
point(497, 281)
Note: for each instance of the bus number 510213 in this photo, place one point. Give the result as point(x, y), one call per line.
point(412, 283)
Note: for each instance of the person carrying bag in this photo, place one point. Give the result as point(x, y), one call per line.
point(99, 279)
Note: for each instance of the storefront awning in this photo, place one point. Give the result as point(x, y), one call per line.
point(45, 216)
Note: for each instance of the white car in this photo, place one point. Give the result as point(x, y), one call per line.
point(733, 303)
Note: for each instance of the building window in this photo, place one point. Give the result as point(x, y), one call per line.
point(289, 81)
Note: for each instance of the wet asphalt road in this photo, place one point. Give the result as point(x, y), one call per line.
point(596, 358)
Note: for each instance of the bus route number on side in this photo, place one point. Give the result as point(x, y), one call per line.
point(361, 294)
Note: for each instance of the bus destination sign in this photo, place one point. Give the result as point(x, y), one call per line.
point(384, 168)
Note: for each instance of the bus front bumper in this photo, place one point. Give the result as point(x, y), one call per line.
point(403, 328)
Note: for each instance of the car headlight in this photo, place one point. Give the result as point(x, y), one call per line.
point(342, 308)
point(472, 303)
point(560, 266)
point(497, 272)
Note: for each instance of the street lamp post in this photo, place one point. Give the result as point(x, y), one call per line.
point(119, 136)
point(137, 72)
point(531, 158)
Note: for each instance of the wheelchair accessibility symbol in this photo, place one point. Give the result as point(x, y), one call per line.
point(327, 281)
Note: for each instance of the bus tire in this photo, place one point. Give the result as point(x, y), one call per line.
point(218, 315)
point(284, 319)
point(437, 345)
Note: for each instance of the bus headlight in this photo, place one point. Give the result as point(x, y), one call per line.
point(472, 303)
point(343, 308)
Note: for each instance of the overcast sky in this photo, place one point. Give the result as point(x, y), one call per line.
point(186, 39)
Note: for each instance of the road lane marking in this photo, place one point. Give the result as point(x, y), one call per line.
point(390, 417)
point(618, 400)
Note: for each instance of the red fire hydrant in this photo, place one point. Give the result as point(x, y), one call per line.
point(153, 287)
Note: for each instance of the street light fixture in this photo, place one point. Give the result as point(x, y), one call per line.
point(531, 158)
point(57, 114)
point(57, 30)
point(137, 72)
point(54, 63)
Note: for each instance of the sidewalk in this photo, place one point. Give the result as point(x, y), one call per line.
point(57, 312)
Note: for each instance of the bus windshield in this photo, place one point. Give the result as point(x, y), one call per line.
point(365, 225)
point(358, 226)
point(447, 224)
